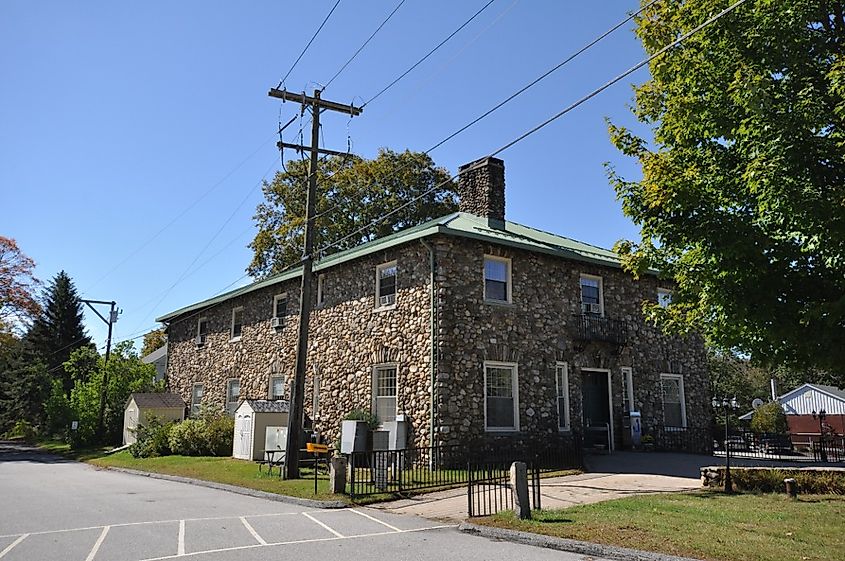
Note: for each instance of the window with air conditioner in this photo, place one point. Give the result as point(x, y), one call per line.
point(321, 289)
point(592, 298)
point(674, 408)
point(196, 399)
point(562, 385)
point(233, 395)
point(497, 279)
point(277, 387)
point(280, 310)
point(237, 326)
point(385, 391)
point(202, 331)
point(664, 297)
point(501, 397)
point(386, 285)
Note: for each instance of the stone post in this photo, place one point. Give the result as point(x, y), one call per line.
point(519, 488)
point(337, 475)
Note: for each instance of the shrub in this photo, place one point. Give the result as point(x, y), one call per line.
point(770, 480)
point(153, 439)
point(209, 435)
point(769, 418)
point(187, 438)
point(369, 417)
point(24, 430)
point(219, 434)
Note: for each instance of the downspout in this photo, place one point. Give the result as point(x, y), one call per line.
point(433, 328)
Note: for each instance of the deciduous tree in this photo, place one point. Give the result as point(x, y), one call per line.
point(18, 284)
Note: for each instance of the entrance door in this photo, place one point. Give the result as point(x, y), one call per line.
point(598, 424)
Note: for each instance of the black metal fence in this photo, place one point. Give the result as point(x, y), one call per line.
point(682, 439)
point(489, 489)
point(829, 450)
point(597, 328)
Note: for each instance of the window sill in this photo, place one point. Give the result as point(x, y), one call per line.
point(503, 430)
point(385, 308)
point(499, 303)
point(566, 430)
point(235, 339)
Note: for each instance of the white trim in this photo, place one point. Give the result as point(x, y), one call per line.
point(229, 395)
point(601, 289)
point(270, 389)
point(379, 269)
point(680, 378)
point(509, 282)
point(609, 400)
point(276, 299)
point(567, 424)
point(374, 386)
point(321, 289)
point(232, 336)
point(628, 387)
point(200, 320)
point(199, 403)
point(514, 389)
point(664, 292)
point(315, 394)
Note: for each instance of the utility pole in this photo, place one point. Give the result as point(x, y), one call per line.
point(104, 389)
point(295, 415)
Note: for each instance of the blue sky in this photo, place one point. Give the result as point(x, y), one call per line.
point(134, 136)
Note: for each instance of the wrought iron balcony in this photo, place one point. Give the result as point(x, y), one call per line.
point(591, 327)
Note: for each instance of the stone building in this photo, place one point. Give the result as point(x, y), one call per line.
point(468, 326)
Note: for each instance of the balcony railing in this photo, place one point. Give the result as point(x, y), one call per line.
point(597, 328)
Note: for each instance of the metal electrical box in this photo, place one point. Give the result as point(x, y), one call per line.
point(353, 437)
point(275, 438)
point(397, 435)
point(381, 440)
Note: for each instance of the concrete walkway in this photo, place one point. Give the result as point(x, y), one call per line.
point(611, 477)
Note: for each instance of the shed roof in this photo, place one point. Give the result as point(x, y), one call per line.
point(837, 394)
point(157, 354)
point(267, 406)
point(157, 400)
point(460, 224)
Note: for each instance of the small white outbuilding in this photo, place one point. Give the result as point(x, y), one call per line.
point(260, 424)
point(141, 406)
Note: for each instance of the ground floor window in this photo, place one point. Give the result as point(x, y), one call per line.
point(501, 397)
point(277, 387)
point(385, 392)
point(674, 408)
point(196, 399)
point(562, 385)
point(628, 390)
point(233, 394)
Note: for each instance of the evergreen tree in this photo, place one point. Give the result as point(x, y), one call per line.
point(24, 385)
point(58, 330)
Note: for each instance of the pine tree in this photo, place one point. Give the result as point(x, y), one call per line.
point(58, 331)
point(24, 385)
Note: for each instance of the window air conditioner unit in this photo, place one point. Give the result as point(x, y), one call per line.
point(585, 308)
point(595, 308)
point(277, 322)
point(388, 300)
point(200, 340)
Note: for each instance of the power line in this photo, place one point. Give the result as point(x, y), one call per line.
point(361, 48)
point(431, 52)
point(548, 121)
point(282, 81)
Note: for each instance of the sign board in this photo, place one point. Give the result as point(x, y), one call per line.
point(317, 448)
point(636, 428)
point(74, 425)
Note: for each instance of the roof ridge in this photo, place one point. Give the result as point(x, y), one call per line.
point(562, 236)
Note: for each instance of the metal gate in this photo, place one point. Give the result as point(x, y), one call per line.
point(489, 490)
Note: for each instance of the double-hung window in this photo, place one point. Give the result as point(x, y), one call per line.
point(277, 386)
point(592, 299)
point(202, 331)
point(237, 323)
point(627, 389)
point(315, 396)
point(321, 289)
point(385, 392)
point(501, 397)
point(497, 279)
point(674, 408)
point(386, 285)
point(233, 395)
point(562, 385)
point(196, 399)
point(664, 297)
point(280, 305)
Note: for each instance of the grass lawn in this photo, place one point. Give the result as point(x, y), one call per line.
point(706, 525)
point(63, 449)
point(225, 470)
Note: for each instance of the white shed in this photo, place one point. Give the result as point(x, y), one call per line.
point(140, 406)
point(260, 424)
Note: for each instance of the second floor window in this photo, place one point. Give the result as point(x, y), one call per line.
point(202, 330)
point(497, 279)
point(664, 297)
point(321, 290)
point(237, 323)
point(280, 305)
point(277, 387)
point(592, 300)
point(386, 285)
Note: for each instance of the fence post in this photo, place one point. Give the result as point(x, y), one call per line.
point(469, 490)
point(352, 475)
point(337, 475)
point(519, 488)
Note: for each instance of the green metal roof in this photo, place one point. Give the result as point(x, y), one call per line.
point(459, 224)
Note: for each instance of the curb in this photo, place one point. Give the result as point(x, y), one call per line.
point(562, 544)
point(311, 503)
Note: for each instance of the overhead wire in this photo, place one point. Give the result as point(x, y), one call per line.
point(285, 77)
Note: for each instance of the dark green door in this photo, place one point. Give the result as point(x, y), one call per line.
point(596, 408)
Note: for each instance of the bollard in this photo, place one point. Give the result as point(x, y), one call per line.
point(519, 488)
point(337, 475)
point(791, 487)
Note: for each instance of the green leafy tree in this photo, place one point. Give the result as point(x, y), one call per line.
point(742, 196)
point(769, 418)
point(58, 330)
point(153, 340)
point(352, 192)
point(24, 385)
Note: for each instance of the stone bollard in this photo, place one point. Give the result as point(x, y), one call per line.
point(519, 488)
point(337, 475)
point(791, 487)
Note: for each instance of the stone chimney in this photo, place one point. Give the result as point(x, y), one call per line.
point(481, 186)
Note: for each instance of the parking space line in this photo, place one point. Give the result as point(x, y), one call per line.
point(9, 547)
point(252, 531)
point(180, 546)
point(335, 532)
point(365, 515)
point(98, 543)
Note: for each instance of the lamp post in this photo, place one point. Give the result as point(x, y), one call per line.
point(821, 416)
point(728, 482)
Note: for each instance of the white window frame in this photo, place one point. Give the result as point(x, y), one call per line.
point(665, 292)
point(232, 336)
point(680, 378)
point(376, 368)
point(270, 394)
point(321, 289)
point(508, 289)
point(515, 387)
point(601, 290)
point(276, 299)
point(229, 401)
point(562, 368)
point(200, 336)
point(628, 388)
point(379, 269)
point(196, 403)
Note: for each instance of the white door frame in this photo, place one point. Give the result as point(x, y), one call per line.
point(609, 400)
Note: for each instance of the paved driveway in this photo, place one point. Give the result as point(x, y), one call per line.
point(58, 510)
